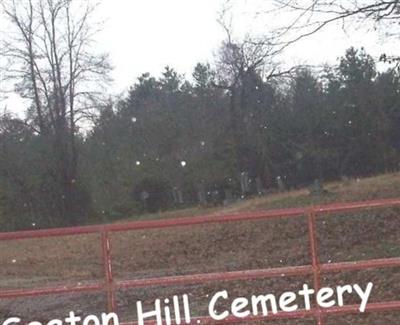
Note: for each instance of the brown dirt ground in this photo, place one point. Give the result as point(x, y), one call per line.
point(212, 248)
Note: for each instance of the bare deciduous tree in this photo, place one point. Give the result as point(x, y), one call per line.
point(48, 56)
point(239, 61)
point(310, 16)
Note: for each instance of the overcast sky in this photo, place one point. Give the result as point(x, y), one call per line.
point(146, 35)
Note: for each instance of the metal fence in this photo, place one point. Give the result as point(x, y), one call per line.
point(110, 285)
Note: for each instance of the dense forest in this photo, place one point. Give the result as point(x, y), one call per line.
point(227, 132)
point(174, 142)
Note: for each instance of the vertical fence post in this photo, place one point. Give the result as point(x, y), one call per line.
point(109, 285)
point(312, 231)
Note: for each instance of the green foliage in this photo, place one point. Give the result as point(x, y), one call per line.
point(170, 141)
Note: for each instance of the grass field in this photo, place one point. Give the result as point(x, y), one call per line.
point(383, 186)
point(214, 247)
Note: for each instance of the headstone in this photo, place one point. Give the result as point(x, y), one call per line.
point(215, 197)
point(177, 195)
point(244, 182)
point(144, 195)
point(345, 180)
point(180, 197)
point(228, 197)
point(201, 196)
point(317, 189)
point(280, 184)
point(259, 186)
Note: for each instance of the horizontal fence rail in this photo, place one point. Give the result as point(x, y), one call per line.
point(316, 269)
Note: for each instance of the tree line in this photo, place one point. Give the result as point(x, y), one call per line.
point(175, 141)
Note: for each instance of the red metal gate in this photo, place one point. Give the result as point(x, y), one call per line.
point(316, 269)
